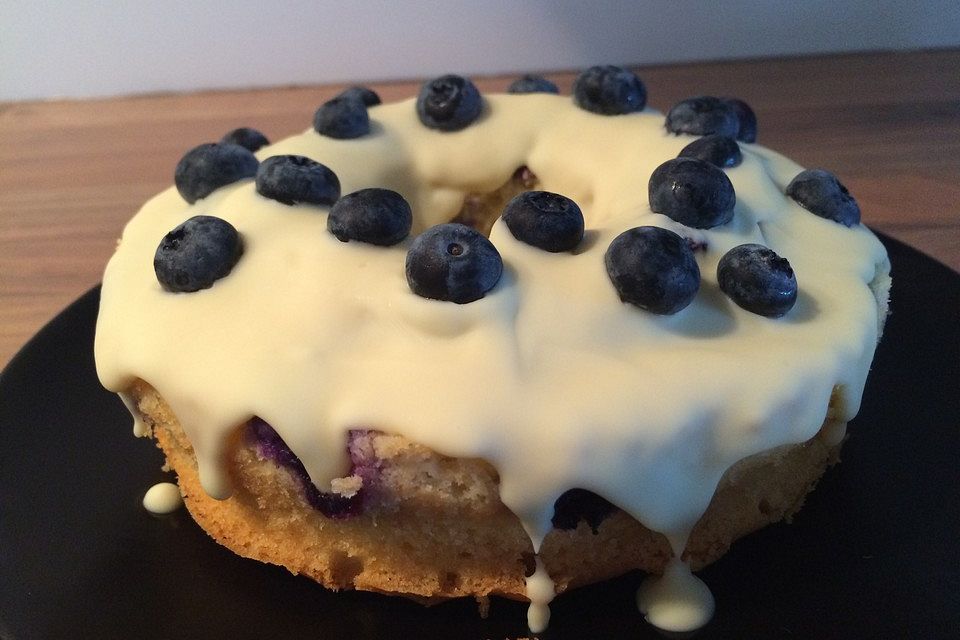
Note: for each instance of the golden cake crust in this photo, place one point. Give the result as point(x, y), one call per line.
point(444, 533)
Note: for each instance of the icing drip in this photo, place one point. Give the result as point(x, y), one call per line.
point(676, 601)
point(540, 590)
point(162, 498)
point(140, 428)
point(834, 432)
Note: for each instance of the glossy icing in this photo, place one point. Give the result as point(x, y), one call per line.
point(677, 601)
point(550, 377)
point(162, 498)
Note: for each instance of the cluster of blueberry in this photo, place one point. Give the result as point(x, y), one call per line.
point(457, 263)
point(707, 115)
point(655, 269)
point(650, 267)
point(345, 116)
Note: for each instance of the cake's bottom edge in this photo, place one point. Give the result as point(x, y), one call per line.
point(437, 529)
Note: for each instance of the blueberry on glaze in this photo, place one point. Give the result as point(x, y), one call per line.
point(297, 179)
point(758, 280)
point(579, 504)
point(703, 116)
point(745, 117)
point(654, 269)
point(609, 91)
point(692, 192)
point(449, 103)
point(207, 167)
point(546, 220)
point(532, 84)
point(376, 216)
point(821, 193)
point(343, 118)
point(367, 96)
point(720, 151)
point(196, 254)
point(248, 138)
point(452, 262)
point(271, 446)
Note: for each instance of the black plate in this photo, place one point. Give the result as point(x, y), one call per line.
point(873, 554)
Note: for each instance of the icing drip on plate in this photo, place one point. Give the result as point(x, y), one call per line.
point(162, 498)
point(677, 601)
point(549, 376)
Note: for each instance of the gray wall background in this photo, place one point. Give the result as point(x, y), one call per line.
point(85, 48)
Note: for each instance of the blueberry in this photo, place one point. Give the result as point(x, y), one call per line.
point(246, 137)
point(758, 280)
point(579, 504)
point(532, 84)
point(367, 96)
point(452, 262)
point(746, 117)
point(377, 216)
point(342, 118)
point(206, 168)
point(296, 179)
point(720, 151)
point(449, 103)
point(271, 446)
point(546, 220)
point(609, 91)
point(692, 192)
point(196, 254)
point(654, 269)
point(702, 116)
point(820, 192)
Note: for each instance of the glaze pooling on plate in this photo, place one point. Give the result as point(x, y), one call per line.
point(550, 377)
point(676, 601)
point(162, 498)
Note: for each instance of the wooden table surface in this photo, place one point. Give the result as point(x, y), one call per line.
point(72, 172)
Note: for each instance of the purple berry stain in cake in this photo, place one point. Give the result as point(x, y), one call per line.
point(363, 463)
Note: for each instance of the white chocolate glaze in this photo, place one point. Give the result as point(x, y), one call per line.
point(676, 601)
point(540, 591)
point(162, 498)
point(834, 433)
point(550, 377)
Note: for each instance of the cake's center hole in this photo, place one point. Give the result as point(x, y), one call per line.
point(481, 210)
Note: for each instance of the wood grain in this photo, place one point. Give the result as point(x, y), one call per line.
point(72, 172)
